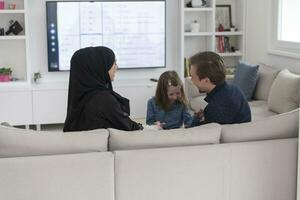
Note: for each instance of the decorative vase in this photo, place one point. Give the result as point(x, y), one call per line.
point(4, 77)
point(198, 3)
point(2, 4)
point(195, 27)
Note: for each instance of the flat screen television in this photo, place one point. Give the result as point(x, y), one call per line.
point(134, 30)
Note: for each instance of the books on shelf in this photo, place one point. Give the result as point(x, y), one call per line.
point(223, 45)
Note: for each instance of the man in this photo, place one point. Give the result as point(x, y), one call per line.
point(226, 103)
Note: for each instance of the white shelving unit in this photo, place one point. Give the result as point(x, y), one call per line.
point(14, 48)
point(16, 96)
point(207, 38)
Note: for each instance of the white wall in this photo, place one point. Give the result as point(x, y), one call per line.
point(38, 44)
point(257, 36)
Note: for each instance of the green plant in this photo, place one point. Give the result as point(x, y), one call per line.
point(37, 76)
point(5, 71)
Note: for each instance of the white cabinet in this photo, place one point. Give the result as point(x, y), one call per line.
point(138, 97)
point(14, 48)
point(209, 38)
point(50, 100)
point(49, 106)
point(16, 107)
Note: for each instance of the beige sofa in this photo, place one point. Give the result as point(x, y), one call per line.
point(256, 160)
point(277, 91)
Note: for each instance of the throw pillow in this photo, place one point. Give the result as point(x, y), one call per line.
point(285, 92)
point(245, 77)
point(266, 76)
point(19, 142)
point(281, 126)
point(124, 140)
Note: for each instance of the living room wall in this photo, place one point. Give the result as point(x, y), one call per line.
point(38, 44)
point(257, 35)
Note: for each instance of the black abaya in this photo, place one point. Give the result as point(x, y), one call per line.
point(92, 103)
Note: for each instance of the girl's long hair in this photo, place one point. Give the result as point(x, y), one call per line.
point(167, 79)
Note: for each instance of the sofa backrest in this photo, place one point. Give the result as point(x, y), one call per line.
point(124, 140)
point(19, 142)
point(266, 76)
point(264, 170)
point(280, 126)
point(60, 177)
point(284, 95)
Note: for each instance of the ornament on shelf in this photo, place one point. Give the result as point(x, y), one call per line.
point(195, 26)
point(197, 4)
point(221, 28)
point(2, 4)
point(15, 28)
point(36, 77)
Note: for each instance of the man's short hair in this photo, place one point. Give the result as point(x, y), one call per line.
point(209, 65)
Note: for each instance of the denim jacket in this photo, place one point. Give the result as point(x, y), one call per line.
point(176, 117)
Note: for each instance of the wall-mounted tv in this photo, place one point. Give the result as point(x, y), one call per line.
point(135, 30)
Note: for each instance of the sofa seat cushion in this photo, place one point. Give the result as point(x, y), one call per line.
point(285, 92)
point(179, 173)
point(266, 76)
point(58, 177)
point(264, 170)
point(280, 126)
point(19, 142)
point(123, 140)
point(260, 110)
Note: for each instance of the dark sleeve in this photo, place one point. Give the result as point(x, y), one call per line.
point(219, 113)
point(150, 118)
point(118, 118)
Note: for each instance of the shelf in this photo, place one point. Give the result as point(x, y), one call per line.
point(231, 54)
point(14, 86)
point(229, 33)
point(11, 11)
point(198, 9)
point(198, 34)
point(13, 37)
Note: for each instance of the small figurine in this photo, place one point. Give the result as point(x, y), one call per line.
point(221, 28)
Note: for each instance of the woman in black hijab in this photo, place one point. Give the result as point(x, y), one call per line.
point(92, 103)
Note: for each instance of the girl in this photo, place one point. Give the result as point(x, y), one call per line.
point(168, 108)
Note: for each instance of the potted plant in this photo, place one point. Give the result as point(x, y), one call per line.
point(5, 74)
point(36, 77)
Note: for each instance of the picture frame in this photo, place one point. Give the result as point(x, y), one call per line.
point(223, 16)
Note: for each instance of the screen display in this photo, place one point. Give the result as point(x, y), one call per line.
point(134, 30)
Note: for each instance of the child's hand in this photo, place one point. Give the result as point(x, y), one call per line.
point(200, 114)
point(160, 125)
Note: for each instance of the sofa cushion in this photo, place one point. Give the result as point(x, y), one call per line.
point(181, 173)
point(281, 126)
point(260, 110)
point(58, 177)
point(123, 140)
point(245, 78)
point(285, 92)
point(19, 142)
point(266, 76)
point(190, 89)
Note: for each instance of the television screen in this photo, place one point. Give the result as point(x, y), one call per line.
point(134, 30)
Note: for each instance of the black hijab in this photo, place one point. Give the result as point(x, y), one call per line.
point(89, 75)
